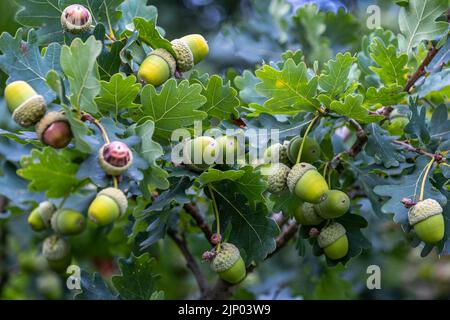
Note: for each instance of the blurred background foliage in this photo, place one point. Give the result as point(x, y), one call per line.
point(242, 34)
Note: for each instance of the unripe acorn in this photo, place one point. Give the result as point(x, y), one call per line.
point(228, 149)
point(277, 177)
point(306, 182)
point(184, 56)
point(57, 252)
point(115, 158)
point(68, 222)
point(427, 220)
point(333, 204)
point(76, 19)
point(108, 206)
point(157, 68)
point(333, 240)
point(310, 153)
point(54, 130)
point(39, 219)
point(306, 215)
point(198, 45)
point(279, 151)
point(50, 286)
point(229, 264)
point(199, 153)
point(26, 105)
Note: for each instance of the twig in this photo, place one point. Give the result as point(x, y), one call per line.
point(421, 70)
point(361, 138)
point(199, 220)
point(409, 147)
point(284, 238)
point(190, 261)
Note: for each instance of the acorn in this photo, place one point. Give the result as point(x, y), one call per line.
point(277, 151)
point(333, 204)
point(57, 252)
point(311, 150)
point(54, 130)
point(39, 219)
point(26, 105)
point(108, 206)
point(115, 158)
point(229, 264)
point(427, 220)
point(228, 149)
point(50, 286)
point(157, 68)
point(333, 240)
point(76, 19)
point(306, 182)
point(198, 45)
point(200, 153)
point(184, 56)
point(306, 215)
point(68, 222)
point(277, 177)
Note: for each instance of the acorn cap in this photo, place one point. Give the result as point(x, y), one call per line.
point(30, 112)
point(110, 168)
point(46, 211)
point(296, 173)
point(281, 150)
point(309, 214)
point(225, 258)
point(330, 234)
point(55, 248)
point(167, 57)
point(118, 196)
point(423, 210)
point(277, 177)
point(76, 19)
point(185, 59)
point(47, 120)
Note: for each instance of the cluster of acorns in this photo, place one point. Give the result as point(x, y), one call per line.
point(317, 203)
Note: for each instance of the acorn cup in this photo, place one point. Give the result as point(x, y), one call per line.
point(306, 215)
point(333, 240)
point(26, 105)
point(198, 45)
point(68, 222)
point(427, 220)
point(184, 56)
point(57, 252)
point(229, 264)
point(279, 151)
point(115, 158)
point(54, 130)
point(333, 204)
point(310, 153)
point(277, 177)
point(228, 150)
point(76, 19)
point(109, 205)
point(157, 68)
point(307, 183)
point(200, 153)
point(40, 218)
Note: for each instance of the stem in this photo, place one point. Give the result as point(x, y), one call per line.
point(308, 129)
point(425, 178)
point(216, 212)
point(116, 182)
point(421, 70)
point(111, 31)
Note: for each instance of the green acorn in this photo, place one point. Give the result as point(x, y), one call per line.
point(311, 150)
point(333, 204)
point(76, 19)
point(333, 240)
point(39, 219)
point(198, 45)
point(306, 215)
point(200, 153)
point(306, 182)
point(68, 222)
point(57, 252)
point(109, 205)
point(277, 177)
point(428, 222)
point(26, 105)
point(115, 158)
point(157, 68)
point(184, 56)
point(228, 150)
point(229, 264)
point(277, 151)
point(50, 286)
point(54, 130)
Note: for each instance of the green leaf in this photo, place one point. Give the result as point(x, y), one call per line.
point(79, 130)
point(440, 124)
point(136, 8)
point(438, 82)
point(49, 171)
point(384, 96)
point(138, 279)
point(149, 34)
point(252, 185)
point(94, 288)
point(289, 90)
point(418, 22)
point(247, 88)
point(352, 108)
point(332, 286)
point(417, 125)
point(118, 94)
point(221, 101)
point(380, 146)
point(392, 67)
point(79, 65)
point(23, 61)
point(176, 106)
point(334, 78)
point(214, 175)
point(109, 62)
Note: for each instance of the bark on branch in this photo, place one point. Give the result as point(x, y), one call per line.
point(199, 220)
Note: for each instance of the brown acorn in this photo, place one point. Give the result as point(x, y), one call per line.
point(54, 130)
